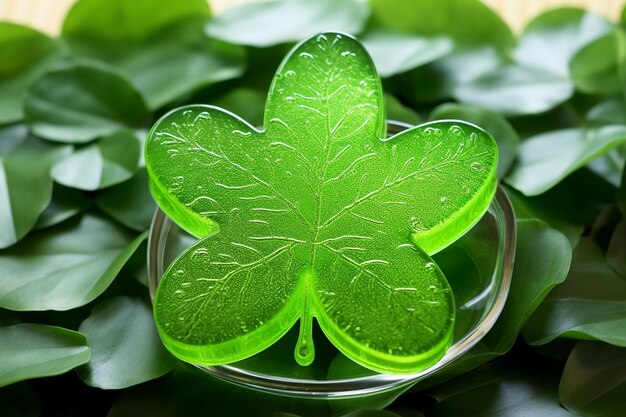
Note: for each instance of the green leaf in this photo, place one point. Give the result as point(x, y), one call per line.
point(502, 389)
point(590, 304)
point(120, 21)
point(547, 158)
point(399, 112)
point(395, 52)
point(289, 20)
point(65, 266)
point(109, 161)
point(616, 253)
point(595, 68)
point(466, 21)
point(554, 38)
point(245, 102)
point(25, 54)
point(594, 380)
point(438, 81)
point(125, 346)
point(315, 196)
point(621, 193)
point(25, 186)
point(65, 203)
point(193, 59)
point(502, 131)
point(11, 137)
point(34, 351)
point(516, 90)
point(130, 202)
point(19, 400)
point(608, 112)
point(542, 260)
point(81, 102)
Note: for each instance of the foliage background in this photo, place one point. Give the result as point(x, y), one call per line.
point(76, 335)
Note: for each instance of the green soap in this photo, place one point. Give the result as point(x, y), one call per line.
point(317, 215)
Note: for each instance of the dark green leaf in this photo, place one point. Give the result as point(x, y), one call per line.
point(436, 82)
point(395, 52)
point(125, 346)
point(109, 161)
point(492, 122)
point(244, 102)
point(542, 260)
point(130, 203)
point(398, 112)
point(34, 350)
point(594, 380)
point(590, 304)
point(19, 400)
point(11, 137)
point(289, 20)
point(25, 54)
point(65, 266)
point(608, 112)
point(553, 38)
point(528, 388)
point(193, 59)
point(516, 90)
point(81, 102)
point(25, 186)
point(616, 253)
point(547, 158)
point(65, 203)
point(121, 21)
point(621, 193)
point(192, 393)
point(466, 21)
point(595, 68)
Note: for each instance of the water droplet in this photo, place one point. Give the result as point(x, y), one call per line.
point(290, 73)
point(363, 83)
point(432, 288)
point(290, 98)
point(477, 166)
point(306, 55)
point(416, 225)
point(348, 53)
point(180, 272)
point(430, 266)
point(443, 199)
point(455, 130)
point(433, 132)
point(465, 189)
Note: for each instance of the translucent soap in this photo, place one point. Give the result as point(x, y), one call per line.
point(316, 216)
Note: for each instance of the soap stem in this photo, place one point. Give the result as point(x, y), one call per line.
point(305, 349)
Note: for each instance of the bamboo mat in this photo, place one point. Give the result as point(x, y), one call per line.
point(47, 15)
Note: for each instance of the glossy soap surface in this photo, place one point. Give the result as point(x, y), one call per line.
point(318, 215)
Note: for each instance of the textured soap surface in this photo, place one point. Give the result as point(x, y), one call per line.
point(315, 216)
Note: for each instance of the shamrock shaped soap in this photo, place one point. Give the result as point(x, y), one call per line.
point(317, 215)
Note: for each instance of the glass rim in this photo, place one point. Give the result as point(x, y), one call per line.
point(365, 385)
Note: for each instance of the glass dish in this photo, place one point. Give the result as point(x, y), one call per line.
point(478, 266)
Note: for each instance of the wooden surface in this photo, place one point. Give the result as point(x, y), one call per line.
point(47, 15)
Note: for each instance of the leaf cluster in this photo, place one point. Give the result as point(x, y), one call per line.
point(75, 206)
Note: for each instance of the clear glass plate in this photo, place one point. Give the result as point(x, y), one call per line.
point(478, 266)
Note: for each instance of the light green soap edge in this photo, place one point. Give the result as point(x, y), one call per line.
point(241, 347)
point(443, 235)
point(380, 361)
